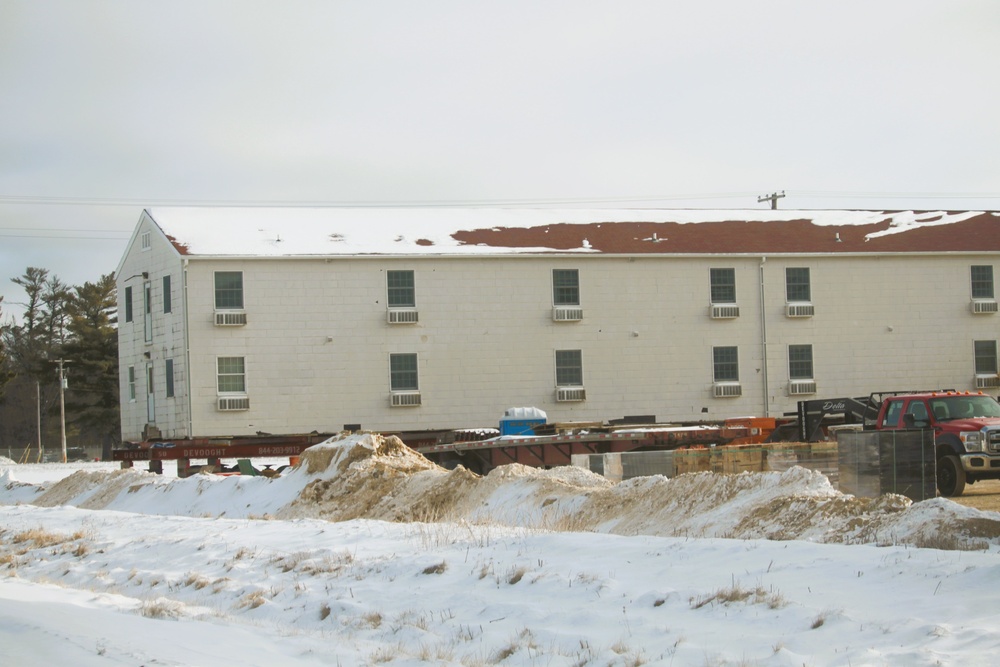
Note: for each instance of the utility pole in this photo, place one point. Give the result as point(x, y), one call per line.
point(773, 198)
point(62, 405)
point(38, 416)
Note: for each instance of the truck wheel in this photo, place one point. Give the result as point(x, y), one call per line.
point(950, 476)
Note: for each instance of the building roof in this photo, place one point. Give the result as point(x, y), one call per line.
point(322, 232)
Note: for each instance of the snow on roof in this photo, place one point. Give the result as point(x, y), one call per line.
point(288, 232)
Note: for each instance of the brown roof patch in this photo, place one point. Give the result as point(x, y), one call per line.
point(980, 233)
point(181, 248)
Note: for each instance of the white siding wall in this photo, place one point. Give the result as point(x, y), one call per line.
point(486, 340)
point(160, 259)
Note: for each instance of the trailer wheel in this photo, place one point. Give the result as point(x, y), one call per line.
point(950, 476)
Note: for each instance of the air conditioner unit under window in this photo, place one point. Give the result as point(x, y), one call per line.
point(727, 390)
point(404, 399)
point(724, 311)
point(801, 387)
point(567, 314)
point(230, 318)
point(987, 381)
point(800, 310)
point(231, 403)
point(984, 307)
point(401, 316)
point(569, 394)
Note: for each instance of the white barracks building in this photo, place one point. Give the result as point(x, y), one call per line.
point(292, 320)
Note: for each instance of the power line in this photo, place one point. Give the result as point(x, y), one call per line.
point(65, 237)
point(59, 229)
point(526, 201)
point(83, 201)
point(906, 195)
point(61, 233)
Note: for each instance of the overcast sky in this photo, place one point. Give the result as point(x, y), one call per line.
point(110, 106)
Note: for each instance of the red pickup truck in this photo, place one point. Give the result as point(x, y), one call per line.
point(966, 433)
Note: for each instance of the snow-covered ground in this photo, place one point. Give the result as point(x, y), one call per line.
point(369, 554)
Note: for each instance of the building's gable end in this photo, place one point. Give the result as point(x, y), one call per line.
point(133, 242)
point(134, 247)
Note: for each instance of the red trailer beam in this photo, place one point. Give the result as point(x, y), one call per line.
point(555, 450)
point(215, 448)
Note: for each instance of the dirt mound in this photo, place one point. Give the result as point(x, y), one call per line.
point(91, 490)
point(360, 477)
point(939, 523)
point(340, 454)
point(374, 477)
point(380, 478)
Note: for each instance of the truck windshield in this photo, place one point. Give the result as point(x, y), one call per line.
point(946, 408)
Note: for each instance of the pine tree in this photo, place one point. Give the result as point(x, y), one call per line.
point(79, 326)
point(43, 325)
point(92, 351)
point(31, 347)
point(5, 372)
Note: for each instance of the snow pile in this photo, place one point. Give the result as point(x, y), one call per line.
point(368, 476)
point(15, 491)
point(519, 567)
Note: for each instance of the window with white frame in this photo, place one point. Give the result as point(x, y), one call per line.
point(167, 296)
point(168, 372)
point(723, 285)
point(797, 286)
point(147, 311)
point(565, 287)
point(569, 368)
point(986, 357)
point(401, 289)
point(128, 304)
point(144, 241)
point(403, 372)
point(131, 383)
point(228, 290)
point(982, 282)
point(800, 362)
point(232, 377)
point(726, 364)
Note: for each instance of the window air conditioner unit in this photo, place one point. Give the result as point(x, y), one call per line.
point(727, 390)
point(800, 310)
point(404, 399)
point(801, 387)
point(987, 381)
point(725, 312)
point(569, 394)
point(400, 316)
point(231, 403)
point(984, 307)
point(567, 314)
point(230, 318)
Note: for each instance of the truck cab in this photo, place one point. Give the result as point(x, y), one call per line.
point(966, 429)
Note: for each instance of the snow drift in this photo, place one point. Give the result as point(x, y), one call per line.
point(369, 476)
